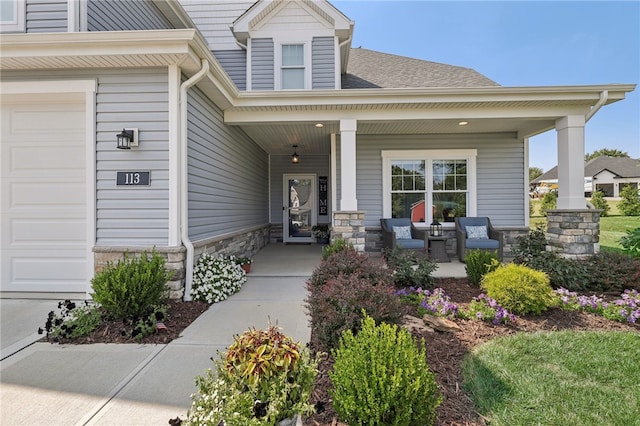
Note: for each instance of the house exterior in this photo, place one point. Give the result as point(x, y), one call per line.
point(610, 175)
point(218, 96)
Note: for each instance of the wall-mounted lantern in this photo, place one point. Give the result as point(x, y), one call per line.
point(127, 139)
point(295, 158)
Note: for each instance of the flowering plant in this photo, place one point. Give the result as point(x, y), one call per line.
point(244, 260)
point(487, 309)
point(216, 278)
point(626, 308)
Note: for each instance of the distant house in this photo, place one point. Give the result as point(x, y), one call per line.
point(229, 105)
point(607, 174)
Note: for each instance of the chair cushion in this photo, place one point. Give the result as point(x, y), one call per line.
point(473, 221)
point(481, 243)
point(477, 232)
point(410, 244)
point(402, 232)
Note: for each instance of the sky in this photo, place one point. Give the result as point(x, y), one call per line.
point(521, 43)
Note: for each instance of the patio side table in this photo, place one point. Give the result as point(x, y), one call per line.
point(438, 249)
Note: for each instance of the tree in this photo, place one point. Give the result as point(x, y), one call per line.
point(598, 201)
point(549, 202)
point(534, 172)
point(630, 203)
point(607, 152)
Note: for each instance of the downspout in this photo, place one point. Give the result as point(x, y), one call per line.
point(184, 219)
point(604, 95)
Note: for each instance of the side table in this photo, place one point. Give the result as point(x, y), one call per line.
point(438, 248)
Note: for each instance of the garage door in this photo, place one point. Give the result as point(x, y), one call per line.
point(43, 194)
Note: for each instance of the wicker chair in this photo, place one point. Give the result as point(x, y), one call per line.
point(474, 238)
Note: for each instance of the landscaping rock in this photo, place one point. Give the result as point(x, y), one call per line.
point(440, 324)
point(415, 324)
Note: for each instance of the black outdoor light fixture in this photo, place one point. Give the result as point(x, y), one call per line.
point(295, 158)
point(127, 139)
point(435, 228)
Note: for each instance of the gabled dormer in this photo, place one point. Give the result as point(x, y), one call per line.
point(294, 44)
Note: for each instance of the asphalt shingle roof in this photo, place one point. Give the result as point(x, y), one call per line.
point(621, 166)
point(368, 69)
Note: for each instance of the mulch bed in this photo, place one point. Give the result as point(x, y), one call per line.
point(179, 315)
point(445, 352)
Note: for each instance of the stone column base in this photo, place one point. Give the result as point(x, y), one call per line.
point(574, 234)
point(349, 225)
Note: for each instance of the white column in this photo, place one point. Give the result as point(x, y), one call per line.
point(571, 162)
point(348, 128)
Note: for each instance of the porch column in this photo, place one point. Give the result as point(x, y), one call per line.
point(571, 162)
point(348, 128)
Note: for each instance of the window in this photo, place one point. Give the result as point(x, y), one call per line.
point(427, 185)
point(292, 71)
point(12, 15)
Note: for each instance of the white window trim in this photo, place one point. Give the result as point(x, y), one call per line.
point(428, 156)
point(18, 23)
point(278, 63)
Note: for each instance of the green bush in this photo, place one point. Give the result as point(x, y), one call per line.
point(131, 287)
point(478, 263)
point(630, 203)
point(411, 268)
point(613, 272)
point(381, 377)
point(336, 246)
point(520, 289)
point(598, 201)
point(631, 242)
point(549, 202)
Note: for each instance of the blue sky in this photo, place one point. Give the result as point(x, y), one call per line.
point(521, 43)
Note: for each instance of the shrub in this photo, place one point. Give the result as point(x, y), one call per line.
point(478, 263)
point(349, 262)
point(337, 305)
point(519, 289)
point(338, 245)
point(630, 203)
point(411, 268)
point(263, 378)
point(216, 278)
point(381, 377)
point(129, 288)
point(549, 202)
point(631, 242)
point(612, 272)
point(598, 201)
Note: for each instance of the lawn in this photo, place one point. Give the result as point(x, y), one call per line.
point(559, 378)
point(612, 227)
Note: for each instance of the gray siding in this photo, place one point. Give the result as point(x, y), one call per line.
point(234, 63)
point(123, 15)
point(46, 16)
point(262, 71)
point(500, 173)
point(323, 63)
point(311, 164)
point(228, 174)
point(133, 99)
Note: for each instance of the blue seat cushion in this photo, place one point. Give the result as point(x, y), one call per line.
point(411, 244)
point(482, 243)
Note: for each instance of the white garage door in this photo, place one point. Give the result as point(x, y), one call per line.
point(43, 232)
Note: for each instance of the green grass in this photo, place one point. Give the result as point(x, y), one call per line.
point(612, 227)
point(557, 378)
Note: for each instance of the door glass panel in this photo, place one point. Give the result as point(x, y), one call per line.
point(300, 207)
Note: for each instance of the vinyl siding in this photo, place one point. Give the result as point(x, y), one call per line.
point(234, 63)
point(123, 15)
point(133, 99)
point(500, 173)
point(309, 164)
point(323, 60)
point(214, 17)
point(46, 16)
point(228, 174)
point(262, 71)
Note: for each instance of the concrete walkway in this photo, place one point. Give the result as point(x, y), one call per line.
point(130, 384)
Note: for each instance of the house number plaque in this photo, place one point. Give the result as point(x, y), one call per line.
point(133, 178)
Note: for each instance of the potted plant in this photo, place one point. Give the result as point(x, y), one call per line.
point(321, 233)
point(245, 263)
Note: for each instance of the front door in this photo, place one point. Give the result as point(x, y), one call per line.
point(299, 208)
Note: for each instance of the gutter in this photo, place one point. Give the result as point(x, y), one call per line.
point(184, 219)
point(604, 95)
